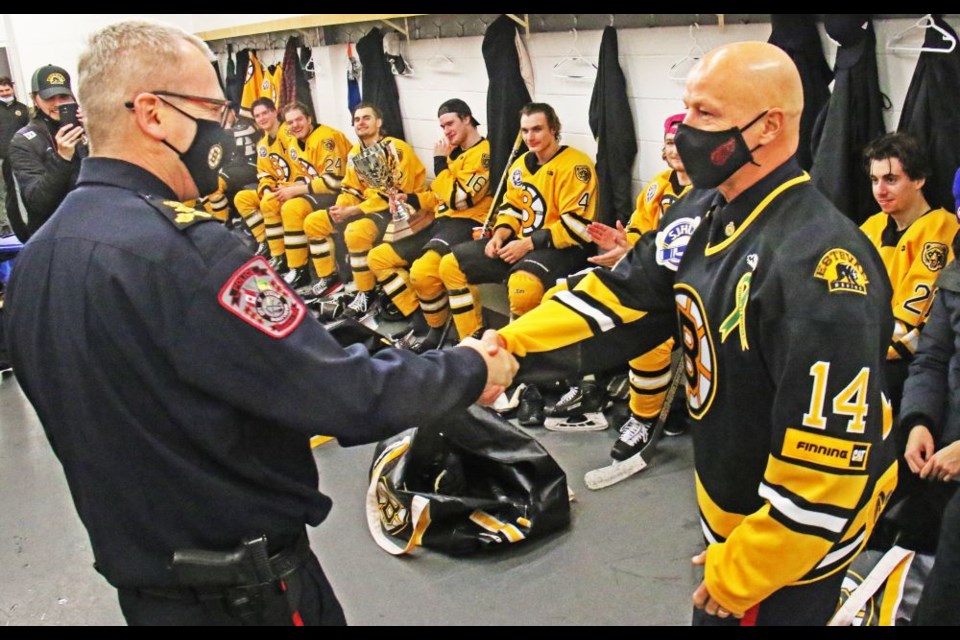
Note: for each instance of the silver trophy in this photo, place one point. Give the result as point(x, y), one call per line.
point(379, 166)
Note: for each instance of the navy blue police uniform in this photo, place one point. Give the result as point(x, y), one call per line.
point(155, 350)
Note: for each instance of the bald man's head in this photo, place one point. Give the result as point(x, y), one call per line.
point(754, 87)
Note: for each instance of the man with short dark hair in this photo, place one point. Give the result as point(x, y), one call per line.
point(152, 346)
point(45, 155)
point(13, 116)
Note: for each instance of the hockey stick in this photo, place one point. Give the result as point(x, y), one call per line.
point(623, 469)
point(492, 214)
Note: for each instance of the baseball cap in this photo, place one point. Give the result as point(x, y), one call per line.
point(459, 107)
point(50, 80)
point(670, 124)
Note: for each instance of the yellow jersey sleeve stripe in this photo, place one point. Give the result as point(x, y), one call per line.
point(801, 515)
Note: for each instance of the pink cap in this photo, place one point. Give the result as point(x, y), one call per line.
point(671, 123)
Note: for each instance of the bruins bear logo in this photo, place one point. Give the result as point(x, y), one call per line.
point(583, 173)
point(934, 255)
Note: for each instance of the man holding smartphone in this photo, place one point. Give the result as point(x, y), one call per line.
point(45, 155)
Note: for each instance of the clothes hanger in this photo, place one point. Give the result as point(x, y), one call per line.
point(680, 68)
point(924, 23)
point(439, 61)
point(574, 65)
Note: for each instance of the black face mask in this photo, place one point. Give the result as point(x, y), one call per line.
point(710, 157)
point(205, 155)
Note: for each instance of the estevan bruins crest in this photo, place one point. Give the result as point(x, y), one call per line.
point(842, 271)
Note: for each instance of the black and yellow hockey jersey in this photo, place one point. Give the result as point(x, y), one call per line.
point(273, 167)
point(782, 308)
point(552, 203)
point(659, 194)
point(252, 83)
point(355, 191)
point(462, 189)
point(320, 160)
point(913, 258)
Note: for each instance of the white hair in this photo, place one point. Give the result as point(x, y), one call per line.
point(121, 60)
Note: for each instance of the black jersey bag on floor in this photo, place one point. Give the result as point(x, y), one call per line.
point(474, 482)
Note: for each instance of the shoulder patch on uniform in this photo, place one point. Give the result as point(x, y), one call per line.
point(824, 450)
point(29, 135)
point(934, 255)
point(516, 177)
point(262, 151)
point(672, 241)
point(842, 271)
point(258, 296)
point(485, 160)
point(328, 144)
point(651, 192)
point(583, 173)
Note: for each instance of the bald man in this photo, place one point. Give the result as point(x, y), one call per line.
point(783, 310)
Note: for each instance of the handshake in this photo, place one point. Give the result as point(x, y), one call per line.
point(501, 365)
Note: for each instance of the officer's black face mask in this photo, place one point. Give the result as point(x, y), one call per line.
point(710, 157)
point(205, 154)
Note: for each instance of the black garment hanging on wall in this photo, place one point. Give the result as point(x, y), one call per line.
point(796, 33)
point(379, 86)
point(611, 122)
point(852, 118)
point(506, 93)
point(931, 112)
point(236, 76)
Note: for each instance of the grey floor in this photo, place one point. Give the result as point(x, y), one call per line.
point(625, 560)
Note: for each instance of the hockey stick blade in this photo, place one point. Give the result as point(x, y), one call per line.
point(614, 473)
point(621, 470)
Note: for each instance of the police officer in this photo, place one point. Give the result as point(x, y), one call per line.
point(45, 155)
point(180, 435)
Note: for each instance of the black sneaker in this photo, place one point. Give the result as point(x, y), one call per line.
point(634, 438)
point(263, 250)
point(530, 412)
point(297, 277)
point(321, 288)
point(419, 344)
point(329, 309)
point(585, 397)
point(362, 304)
point(619, 387)
point(676, 423)
point(279, 263)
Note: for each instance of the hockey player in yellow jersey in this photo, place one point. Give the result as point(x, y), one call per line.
point(540, 233)
point(648, 375)
point(409, 270)
point(361, 214)
point(914, 239)
point(783, 307)
point(258, 205)
point(318, 159)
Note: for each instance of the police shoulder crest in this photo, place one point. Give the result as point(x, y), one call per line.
point(181, 215)
point(842, 271)
point(260, 297)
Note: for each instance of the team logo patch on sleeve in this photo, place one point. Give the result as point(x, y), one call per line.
point(842, 271)
point(583, 173)
point(934, 255)
point(516, 178)
point(328, 144)
point(651, 192)
point(672, 241)
point(825, 450)
point(262, 152)
point(257, 295)
point(485, 160)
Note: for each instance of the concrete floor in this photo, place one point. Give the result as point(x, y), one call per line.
point(625, 560)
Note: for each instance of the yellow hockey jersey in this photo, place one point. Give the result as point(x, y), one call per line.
point(913, 258)
point(320, 160)
point(552, 203)
point(657, 196)
point(462, 189)
point(251, 85)
point(355, 191)
point(273, 168)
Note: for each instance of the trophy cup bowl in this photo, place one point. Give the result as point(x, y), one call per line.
point(379, 166)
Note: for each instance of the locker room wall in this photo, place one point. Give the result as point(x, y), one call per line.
point(646, 56)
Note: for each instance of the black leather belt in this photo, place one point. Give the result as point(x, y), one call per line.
point(283, 563)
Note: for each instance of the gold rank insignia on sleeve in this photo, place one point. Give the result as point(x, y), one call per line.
point(182, 216)
point(842, 271)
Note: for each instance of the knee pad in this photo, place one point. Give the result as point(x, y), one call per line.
point(383, 258)
point(360, 236)
point(525, 291)
point(451, 274)
point(318, 225)
point(425, 268)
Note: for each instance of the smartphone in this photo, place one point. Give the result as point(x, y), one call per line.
point(68, 113)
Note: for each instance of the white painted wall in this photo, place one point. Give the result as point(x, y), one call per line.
point(646, 56)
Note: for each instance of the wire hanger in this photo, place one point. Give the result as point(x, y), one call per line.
point(439, 61)
point(924, 23)
point(680, 68)
point(574, 65)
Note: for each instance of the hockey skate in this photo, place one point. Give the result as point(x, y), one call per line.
point(579, 409)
